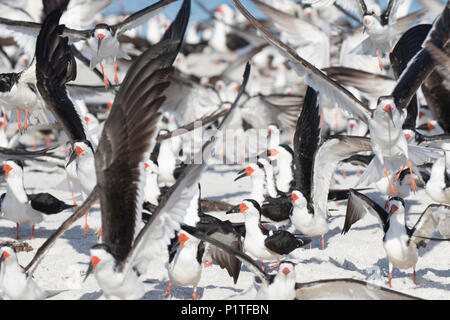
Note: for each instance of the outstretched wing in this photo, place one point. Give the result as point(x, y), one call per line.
point(140, 17)
point(306, 141)
point(166, 220)
point(429, 221)
point(55, 66)
point(330, 152)
point(251, 264)
point(422, 64)
point(129, 136)
point(315, 78)
point(347, 288)
point(357, 207)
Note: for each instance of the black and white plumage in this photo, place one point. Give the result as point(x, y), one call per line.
point(315, 163)
point(55, 66)
point(102, 38)
point(127, 252)
point(185, 262)
point(387, 117)
point(263, 244)
point(120, 156)
point(400, 242)
point(20, 207)
point(283, 285)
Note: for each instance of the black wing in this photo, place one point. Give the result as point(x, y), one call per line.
point(357, 207)
point(422, 65)
point(251, 264)
point(47, 204)
point(140, 17)
point(284, 242)
point(129, 134)
point(51, 5)
point(55, 66)
point(306, 141)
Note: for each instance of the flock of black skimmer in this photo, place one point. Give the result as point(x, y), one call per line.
point(312, 87)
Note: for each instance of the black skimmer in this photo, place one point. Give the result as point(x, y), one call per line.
point(102, 37)
point(438, 186)
point(387, 117)
point(151, 190)
point(226, 232)
point(15, 283)
point(284, 155)
point(80, 169)
point(283, 285)
point(315, 162)
point(258, 179)
point(124, 252)
point(20, 207)
point(55, 66)
point(18, 92)
point(262, 243)
point(400, 242)
point(185, 263)
point(124, 260)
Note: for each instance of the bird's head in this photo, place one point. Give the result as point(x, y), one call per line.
point(253, 169)
point(101, 33)
point(396, 204)
point(101, 257)
point(7, 255)
point(80, 150)
point(12, 169)
point(250, 208)
point(297, 199)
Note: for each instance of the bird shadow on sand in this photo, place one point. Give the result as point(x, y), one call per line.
point(75, 237)
point(176, 292)
point(91, 295)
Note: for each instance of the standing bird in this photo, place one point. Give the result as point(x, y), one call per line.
point(185, 262)
point(400, 242)
point(315, 163)
point(18, 206)
point(132, 125)
point(283, 286)
point(263, 244)
point(385, 122)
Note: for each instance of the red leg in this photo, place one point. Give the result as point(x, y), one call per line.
point(393, 188)
point(390, 279)
point(86, 226)
point(105, 80)
point(19, 125)
point(99, 232)
point(116, 76)
point(413, 183)
point(380, 64)
point(25, 123)
point(323, 242)
point(194, 294)
point(414, 276)
point(167, 292)
point(32, 233)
